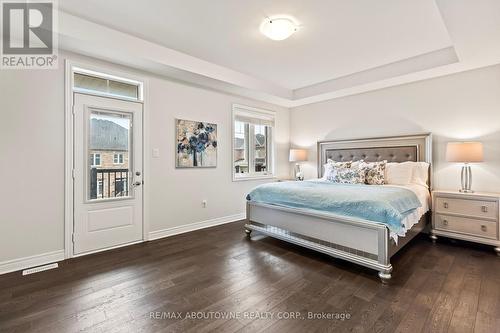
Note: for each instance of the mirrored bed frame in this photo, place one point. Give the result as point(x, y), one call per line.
point(359, 241)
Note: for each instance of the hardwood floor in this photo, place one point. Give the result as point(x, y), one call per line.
point(218, 272)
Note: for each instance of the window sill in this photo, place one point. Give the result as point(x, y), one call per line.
point(253, 177)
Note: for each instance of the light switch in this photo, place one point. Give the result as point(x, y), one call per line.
point(156, 152)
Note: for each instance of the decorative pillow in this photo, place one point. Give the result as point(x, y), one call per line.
point(348, 176)
point(399, 173)
point(331, 166)
point(356, 164)
point(346, 164)
point(374, 172)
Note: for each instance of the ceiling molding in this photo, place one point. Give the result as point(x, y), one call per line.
point(418, 63)
point(85, 37)
point(88, 38)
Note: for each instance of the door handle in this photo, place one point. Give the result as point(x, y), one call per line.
point(137, 184)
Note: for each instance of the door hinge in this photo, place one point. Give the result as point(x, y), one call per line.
point(73, 173)
point(73, 238)
point(73, 109)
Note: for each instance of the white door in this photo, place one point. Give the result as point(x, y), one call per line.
point(108, 173)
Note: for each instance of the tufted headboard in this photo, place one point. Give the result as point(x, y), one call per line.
point(393, 149)
point(391, 154)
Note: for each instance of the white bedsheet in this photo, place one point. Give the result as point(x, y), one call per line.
point(424, 196)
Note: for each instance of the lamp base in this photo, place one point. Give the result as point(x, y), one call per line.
point(299, 176)
point(466, 176)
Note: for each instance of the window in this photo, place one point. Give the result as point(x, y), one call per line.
point(253, 149)
point(109, 151)
point(118, 159)
point(90, 82)
point(95, 159)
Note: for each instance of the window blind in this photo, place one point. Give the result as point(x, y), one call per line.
point(254, 117)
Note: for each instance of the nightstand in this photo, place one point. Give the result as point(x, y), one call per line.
point(472, 217)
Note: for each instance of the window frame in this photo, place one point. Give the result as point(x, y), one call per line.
point(119, 158)
point(109, 77)
point(93, 164)
point(250, 153)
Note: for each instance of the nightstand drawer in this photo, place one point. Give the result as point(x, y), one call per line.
point(467, 226)
point(473, 208)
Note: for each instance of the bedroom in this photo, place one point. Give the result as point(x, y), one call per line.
point(425, 74)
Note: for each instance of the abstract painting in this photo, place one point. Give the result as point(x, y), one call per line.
point(196, 144)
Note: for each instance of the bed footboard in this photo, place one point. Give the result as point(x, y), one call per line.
point(358, 241)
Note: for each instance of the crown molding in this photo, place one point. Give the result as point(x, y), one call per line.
point(91, 39)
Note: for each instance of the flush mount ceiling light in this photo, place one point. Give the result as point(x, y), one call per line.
point(278, 28)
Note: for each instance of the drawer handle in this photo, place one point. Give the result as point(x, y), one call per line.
point(484, 209)
point(445, 204)
point(483, 228)
point(445, 222)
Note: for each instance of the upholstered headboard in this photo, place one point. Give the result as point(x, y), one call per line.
point(393, 149)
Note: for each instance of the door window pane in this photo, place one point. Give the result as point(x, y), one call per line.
point(109, 143)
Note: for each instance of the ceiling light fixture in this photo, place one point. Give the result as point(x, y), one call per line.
point(278, 28)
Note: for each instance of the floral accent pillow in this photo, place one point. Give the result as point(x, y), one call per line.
point(348, 176)
point(332, 166)
point(374, 172)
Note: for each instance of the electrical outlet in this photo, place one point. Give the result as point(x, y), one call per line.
point(204, 203)
point(156, 152)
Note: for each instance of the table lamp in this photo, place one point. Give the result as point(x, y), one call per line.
point(465, 152)
point(298, 155)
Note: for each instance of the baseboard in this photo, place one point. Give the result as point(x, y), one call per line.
point(33, 261)
point(195, 226)
point(55, 256)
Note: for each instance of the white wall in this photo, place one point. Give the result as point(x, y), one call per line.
point(32, 157)
point(175, 195)
point(460, 106)
point(464, 106)
point(32, 162)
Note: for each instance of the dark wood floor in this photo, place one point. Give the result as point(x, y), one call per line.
point(446, 287)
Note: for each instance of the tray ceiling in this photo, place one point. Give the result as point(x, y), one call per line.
point(340, 45)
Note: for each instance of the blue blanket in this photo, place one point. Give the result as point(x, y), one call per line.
point(384, 204)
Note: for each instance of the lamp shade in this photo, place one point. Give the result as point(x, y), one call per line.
point(298, 155)
point(464, 152)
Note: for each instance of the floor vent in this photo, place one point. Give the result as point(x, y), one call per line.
point(40, 269)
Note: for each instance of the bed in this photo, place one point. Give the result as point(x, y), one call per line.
point(360, 239)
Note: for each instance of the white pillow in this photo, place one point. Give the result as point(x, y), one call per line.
point(399, 173)
point(420, 173)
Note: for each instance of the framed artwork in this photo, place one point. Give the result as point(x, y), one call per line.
point(196, 144)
